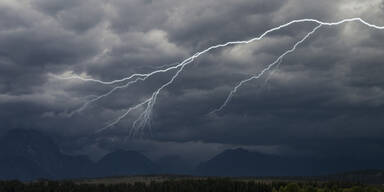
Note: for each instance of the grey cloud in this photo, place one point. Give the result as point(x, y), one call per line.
point(330, 91)
point(78, 16)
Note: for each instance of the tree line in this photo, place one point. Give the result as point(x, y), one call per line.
point(187, 185)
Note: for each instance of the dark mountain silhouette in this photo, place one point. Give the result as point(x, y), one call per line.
point(35, 155)
point(29, 154)
point(240, 162)
point(20, 168)
point(123, 162)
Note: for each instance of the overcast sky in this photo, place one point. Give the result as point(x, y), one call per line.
point(327, 98)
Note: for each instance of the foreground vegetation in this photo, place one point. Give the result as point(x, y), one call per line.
point(188, 185)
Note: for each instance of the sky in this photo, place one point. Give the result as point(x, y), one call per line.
point(325, 99)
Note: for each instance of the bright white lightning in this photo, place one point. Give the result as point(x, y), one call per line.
point(125, 114)
point(280, 58)
point(105, 95)
point(145, 116)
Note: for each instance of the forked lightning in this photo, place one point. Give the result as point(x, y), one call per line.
point(148, 104)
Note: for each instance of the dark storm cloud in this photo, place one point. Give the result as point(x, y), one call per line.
point(329, 92)
point(78, 16)
point(33, 44)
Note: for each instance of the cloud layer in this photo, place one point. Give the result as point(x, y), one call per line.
point(329, 93)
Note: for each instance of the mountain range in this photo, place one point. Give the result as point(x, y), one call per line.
point(29, 154)
point(241, 162)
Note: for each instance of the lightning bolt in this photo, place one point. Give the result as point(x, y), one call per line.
point(241, 83)
point(148, 104)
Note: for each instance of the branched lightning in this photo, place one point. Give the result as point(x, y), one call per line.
point(105, 95)
point(148, 104)
point(234, 90)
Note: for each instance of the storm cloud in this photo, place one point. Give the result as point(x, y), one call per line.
point(328, 93)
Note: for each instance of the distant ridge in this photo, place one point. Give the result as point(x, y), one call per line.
point(241, 162)
point(29, 154)
point(123, 162)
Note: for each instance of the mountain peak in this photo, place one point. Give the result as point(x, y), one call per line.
point(237, 150)
point(24, 142)
point(122, 162)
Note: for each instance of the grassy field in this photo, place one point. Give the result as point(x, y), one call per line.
point(170, 183)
